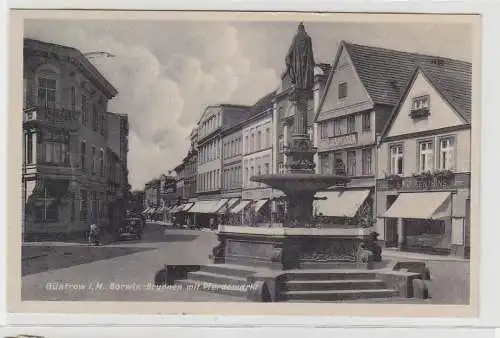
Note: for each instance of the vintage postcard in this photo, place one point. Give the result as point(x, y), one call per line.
point(244, 163)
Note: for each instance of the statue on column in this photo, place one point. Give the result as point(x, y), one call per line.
point(300, 61)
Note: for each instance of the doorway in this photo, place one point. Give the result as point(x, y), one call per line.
point(391, 225)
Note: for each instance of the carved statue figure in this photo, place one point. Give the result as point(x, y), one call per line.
point(300, 61)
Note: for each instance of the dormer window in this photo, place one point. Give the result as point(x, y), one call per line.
point(342, 90)
point(420, 107)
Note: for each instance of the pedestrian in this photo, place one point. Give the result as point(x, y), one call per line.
point(212, 223)
point(94, 234)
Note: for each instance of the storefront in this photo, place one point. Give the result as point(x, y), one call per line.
point(434, 221)
point(206, 213)
point(352, 208)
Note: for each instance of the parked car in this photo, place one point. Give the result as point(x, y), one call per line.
point(133, 227)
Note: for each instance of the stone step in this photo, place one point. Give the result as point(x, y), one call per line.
point(342, 284)
point(338, 295)
point(228, 270)
point(309, 275)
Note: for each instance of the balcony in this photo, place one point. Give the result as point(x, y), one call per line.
point(420, 113)
point(50, 116)
point(425, 181)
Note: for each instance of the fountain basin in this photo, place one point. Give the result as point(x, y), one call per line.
point(291, 248)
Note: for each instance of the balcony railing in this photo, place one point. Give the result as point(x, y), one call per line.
point(63, 117)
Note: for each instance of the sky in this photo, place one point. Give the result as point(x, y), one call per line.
point(167, 72)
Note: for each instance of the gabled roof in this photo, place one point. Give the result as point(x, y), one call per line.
point(454, 85)
point(385, 73)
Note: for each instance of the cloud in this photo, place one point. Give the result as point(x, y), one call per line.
point(164, 99)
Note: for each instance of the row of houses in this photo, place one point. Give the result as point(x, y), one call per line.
point(398, 122)
point(74, 169)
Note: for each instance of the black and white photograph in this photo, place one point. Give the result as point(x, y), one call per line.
point(247, 158)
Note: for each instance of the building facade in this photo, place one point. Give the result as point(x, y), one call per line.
point(363, 87)
point(65, 141)
point(232, 149)
point(258, 157)
point(424, 163)
point(152, 198)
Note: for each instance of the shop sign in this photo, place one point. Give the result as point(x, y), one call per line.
point(344, 140)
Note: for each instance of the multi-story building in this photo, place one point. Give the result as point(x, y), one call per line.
point(191, 169)
point(213, 124)
point(116, 168)
point(258, 155)
point(65, 140)
point(363, 87)
point(424, 163)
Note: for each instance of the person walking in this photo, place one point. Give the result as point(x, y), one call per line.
point(94, 234)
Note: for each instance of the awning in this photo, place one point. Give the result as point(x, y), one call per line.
point(175, 209)
point(344, 203)
point(231, 203)
point(207, 207)
point(421, 205)
point(239, 207)
point(187, 206)
point(259, 204)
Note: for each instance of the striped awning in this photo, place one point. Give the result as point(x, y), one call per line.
point(240, 206)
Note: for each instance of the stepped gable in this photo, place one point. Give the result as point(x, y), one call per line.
point(385, 73)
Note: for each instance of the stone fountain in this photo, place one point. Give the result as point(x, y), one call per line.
point(296, 244)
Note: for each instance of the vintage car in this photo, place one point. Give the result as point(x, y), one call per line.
point(132, 227)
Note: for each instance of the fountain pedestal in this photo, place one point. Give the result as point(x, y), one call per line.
point(292, 248)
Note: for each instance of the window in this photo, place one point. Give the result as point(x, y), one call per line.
point(366, 161)
point(29, 148)
point(351, 124)
point(47, 92)
point(396, 158)
point(83, 155)
point(246, 176)
point(366, 125)
point(93, 205)
point(336, 127)
point(426, 158)
point(281, 168)
point(351, 163)
point(247, 147)
point(73, 98)
point(342, 90)
point(446, 153)
point(84, 110)
point(252, 144)
point(84, 205)
point(101, 163)
point(421, 102)
point(281, 144)
point(268, 137)
point(94, 162)
point(259, 140)
point(95, 118)
point(324, 130)
point(266, 168)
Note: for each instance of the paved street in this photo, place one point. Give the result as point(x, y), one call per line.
point(133, 264)
point(97, 272)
